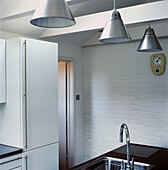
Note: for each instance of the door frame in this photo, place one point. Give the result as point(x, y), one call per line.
point(70, 107)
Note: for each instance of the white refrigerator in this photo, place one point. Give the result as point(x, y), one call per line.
point(30, 118)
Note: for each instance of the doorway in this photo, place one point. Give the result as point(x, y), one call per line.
point(66, 94)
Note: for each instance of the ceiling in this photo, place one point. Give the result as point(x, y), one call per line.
point(77, 38)
point(85, 7)
point(16, 20)
point(78, 7)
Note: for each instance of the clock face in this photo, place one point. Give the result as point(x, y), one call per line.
point(157, 61)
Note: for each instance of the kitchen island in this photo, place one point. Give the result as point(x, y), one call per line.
point(145, 154)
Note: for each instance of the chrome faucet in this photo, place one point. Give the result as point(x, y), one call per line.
point(124, 126)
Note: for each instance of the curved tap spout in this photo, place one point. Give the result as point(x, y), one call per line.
point(124, 126)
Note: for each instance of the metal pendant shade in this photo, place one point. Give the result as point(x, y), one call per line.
point(149, 42)
point(115, 30)
point(53, 14)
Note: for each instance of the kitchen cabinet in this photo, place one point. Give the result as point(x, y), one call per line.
point(43, 158)
point(11, 163)
point(2, 72)
point(31, 117)
point(15, 164)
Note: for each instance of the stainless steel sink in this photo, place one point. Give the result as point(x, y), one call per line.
point(109, 163)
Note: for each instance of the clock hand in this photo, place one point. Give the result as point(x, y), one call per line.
point(158, 60)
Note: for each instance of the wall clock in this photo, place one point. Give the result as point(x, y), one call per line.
point(158, 62)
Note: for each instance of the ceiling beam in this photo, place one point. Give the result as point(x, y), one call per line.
point(130, 15)
point(135, 32)
point(12, 8)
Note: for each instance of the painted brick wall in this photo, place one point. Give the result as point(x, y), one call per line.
point(119, 86)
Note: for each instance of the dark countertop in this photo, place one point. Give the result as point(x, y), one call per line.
point(146, 154)
point(6, 151)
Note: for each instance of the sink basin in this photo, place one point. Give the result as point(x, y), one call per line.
point(109, 163)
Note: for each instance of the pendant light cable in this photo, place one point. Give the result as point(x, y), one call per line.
point(114, 5)
point(149, 21)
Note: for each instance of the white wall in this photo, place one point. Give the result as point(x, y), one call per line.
point(8, 35)
point(73, 51)
point(119, 86)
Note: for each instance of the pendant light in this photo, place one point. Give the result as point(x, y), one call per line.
point(53, 14)
point(149, 42)
point(115, 30)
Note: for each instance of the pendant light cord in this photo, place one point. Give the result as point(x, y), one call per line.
point(114, 5)
point(149, 21)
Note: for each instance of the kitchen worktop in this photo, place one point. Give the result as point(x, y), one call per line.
point(6, 151)
point(146, 154)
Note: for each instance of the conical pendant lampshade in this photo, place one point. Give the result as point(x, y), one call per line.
point(149, 42)
point(115, 31)
point(53, 14)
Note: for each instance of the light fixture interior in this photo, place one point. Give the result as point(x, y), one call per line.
point(53, 22)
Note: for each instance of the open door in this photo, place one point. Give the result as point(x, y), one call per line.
point(66, 113)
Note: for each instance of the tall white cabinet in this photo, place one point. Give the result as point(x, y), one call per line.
point(30, 118)
point(2, 72)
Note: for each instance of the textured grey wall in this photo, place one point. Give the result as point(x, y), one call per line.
point(119, 86)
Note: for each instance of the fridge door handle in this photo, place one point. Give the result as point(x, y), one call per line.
point(25, 93)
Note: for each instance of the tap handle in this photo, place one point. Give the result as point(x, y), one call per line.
point(132, 164)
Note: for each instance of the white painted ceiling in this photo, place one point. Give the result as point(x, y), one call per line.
point(16, 14)
point(85, 7)
point(77, 38)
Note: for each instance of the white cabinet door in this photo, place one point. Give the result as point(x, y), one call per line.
point(12, 164)
point(44, 158)
point(2, 71)
point(41, 75)
point(41, 90)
